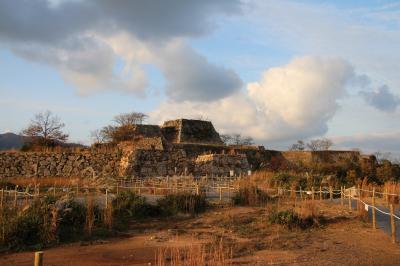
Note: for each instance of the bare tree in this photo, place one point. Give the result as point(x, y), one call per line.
point(46, 128)
point(299, 146)
point(247, 141)
point(133, 118)
point(97, 136)
point(236, 139)
point(320, 144)
point(226, 138)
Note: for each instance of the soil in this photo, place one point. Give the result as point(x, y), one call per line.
point(343, 239)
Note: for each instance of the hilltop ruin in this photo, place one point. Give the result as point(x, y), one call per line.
point(178, 147)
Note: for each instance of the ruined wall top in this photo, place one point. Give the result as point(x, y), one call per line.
point(190, 131)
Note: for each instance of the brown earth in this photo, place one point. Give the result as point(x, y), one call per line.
point(246, 234)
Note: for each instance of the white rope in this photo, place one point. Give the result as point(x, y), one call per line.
point(379, 210)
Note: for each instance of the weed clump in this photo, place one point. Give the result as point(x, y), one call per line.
point(250, 196)
point(184, 203)
point(291, 219)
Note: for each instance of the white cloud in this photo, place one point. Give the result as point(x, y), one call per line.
point(83, 39)
point(367, 37)
point(293, 101)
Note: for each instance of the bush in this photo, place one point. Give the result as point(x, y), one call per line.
point(184, 203)
point(127, 205)
point(30, 229)
point(290, 219)
point(71, 216)
point(250, 196)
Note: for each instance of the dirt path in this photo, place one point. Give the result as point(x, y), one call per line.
point(344, 240)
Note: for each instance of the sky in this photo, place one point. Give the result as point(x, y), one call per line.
point(277, 71)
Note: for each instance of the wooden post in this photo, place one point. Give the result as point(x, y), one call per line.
point(312, 191)
point(1, 198)
point(341, 195)
point(349, 199)
point(117, 189)
point(54, 190)
point(320, 193)
point(77, 189)
point(106, 198)
point(386, 196)
point(39, 258)
point(330, 193)
point(220, 193)
point(358, 201)
point(15, 196)
point(301, 194)
point(197, 189)
point(373, 209)
point(392, 223)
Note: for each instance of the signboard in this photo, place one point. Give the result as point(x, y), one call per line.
point(366, 207)
point(231, 173)
point(249, 173)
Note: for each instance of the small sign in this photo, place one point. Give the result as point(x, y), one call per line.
point(366, 207)
point(249, 173)
point(231, 173)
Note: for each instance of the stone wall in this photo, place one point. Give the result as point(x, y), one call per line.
point(221, 165)
point(65, 164)
point(309, 157)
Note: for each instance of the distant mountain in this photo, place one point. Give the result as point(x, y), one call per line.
point(11, 141)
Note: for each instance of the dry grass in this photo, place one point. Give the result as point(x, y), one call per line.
point(214, 255)
point(50, 181)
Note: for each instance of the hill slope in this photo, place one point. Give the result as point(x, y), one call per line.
point(10, 141)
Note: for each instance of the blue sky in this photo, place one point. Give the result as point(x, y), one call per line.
point(276, 70)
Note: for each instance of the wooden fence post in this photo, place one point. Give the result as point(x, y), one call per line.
point(39, 258)
point(1, 198)
point(106, 198)
point(220, 193)
point(350, 199)
point(301, 194)
point(15, 196)
point(341, 195)
point(386, 196)
point(392, 223)
point(320, 192)
point(312, 191)
point(373, 209)
point(330, 193)
point(359, 197)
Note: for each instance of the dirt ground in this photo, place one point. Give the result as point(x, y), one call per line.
point(245, 232)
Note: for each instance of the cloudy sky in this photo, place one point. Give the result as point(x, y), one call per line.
point(275, 70)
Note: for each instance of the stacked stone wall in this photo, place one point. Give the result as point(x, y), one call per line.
point(64, 164)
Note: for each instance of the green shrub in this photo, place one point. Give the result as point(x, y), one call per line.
point(250, 196)
point(127, 205)
point(71, 216)
point(31, 228)
point(283, 180)
point(290, 219)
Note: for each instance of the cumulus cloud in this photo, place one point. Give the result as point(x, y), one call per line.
point(74, 37)
point(292, 101)
point(382, 99)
